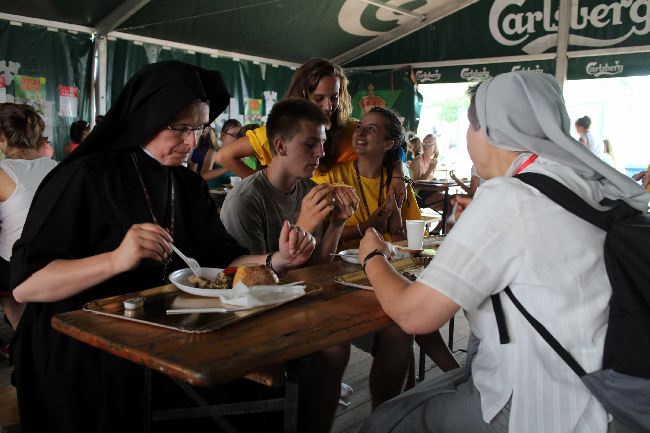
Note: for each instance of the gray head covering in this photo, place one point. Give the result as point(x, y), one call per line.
point(524, 111)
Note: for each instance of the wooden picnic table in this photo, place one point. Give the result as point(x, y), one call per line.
point(251, 347)
point(335, 315)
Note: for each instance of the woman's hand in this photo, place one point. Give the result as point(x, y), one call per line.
point(142, 241)
point(462, 201)
point(345, 205)
point(378, 220)
point(296, 247)
point(371, 241)
point(394, 225)
point(315, 206)
point(398, 188)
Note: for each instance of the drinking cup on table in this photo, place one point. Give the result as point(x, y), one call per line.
point(415, 234)
point(234, 180)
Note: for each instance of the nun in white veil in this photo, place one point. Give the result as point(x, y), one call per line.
point(511, 235)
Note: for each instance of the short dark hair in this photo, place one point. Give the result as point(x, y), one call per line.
point(77, 129)
point(230, 124)
point(284, 119)
point(584, 122)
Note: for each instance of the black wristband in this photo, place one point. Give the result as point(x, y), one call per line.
point(370, 256)
point(269, 264)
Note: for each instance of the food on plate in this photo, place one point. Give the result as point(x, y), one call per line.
point(223, 280)
point(255, 275)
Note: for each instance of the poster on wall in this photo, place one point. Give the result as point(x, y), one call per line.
point(68, 101)
point(3, 89)
point(252, 110)
point(364, 100)
point(30, 90)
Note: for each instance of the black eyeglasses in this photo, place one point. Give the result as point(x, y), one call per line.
point(185, 130)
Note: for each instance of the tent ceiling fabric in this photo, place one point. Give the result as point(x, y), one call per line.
point(286, 30)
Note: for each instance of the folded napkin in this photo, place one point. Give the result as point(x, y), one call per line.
point(243, 296)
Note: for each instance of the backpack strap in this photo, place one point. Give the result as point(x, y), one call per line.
point(504, 337)
point(566, 198)
point(547, 336)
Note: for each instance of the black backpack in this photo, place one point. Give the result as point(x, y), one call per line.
point(623, 384)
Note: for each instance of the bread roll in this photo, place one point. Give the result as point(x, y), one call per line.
point(255, 275)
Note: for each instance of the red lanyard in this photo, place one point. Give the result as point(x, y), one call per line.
point(526, 163)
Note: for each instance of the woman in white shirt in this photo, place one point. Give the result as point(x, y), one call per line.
point(21, 139)
point(511, 235)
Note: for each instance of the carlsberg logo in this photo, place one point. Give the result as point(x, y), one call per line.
point(425, 76)
point(510, 27)
point(474, 74)
point(598, 69)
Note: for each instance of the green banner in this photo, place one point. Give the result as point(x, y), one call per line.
point(394, 90)
point(499, 28)
point(455, 74)
point(34, 63)
point(621, 65)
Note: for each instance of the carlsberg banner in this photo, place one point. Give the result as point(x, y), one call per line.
point(499, 28)
point(454, 74)
point(623, 65)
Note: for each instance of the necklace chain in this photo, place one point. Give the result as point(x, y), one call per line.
point(363, 194)
point(147, 197)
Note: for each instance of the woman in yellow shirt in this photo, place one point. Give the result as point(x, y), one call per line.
point(325, 84)
point(376, 141)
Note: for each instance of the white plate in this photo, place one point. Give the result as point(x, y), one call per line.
point(180, 279)
point(352, 256)
point(432, 241)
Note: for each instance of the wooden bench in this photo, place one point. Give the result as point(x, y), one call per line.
point(9, 418)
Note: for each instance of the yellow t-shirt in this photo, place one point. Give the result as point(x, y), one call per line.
point(346, 173)
point(260, 143)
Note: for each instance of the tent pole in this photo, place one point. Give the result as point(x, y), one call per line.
point(101, 74)
point(564, 26)
point(93, 82)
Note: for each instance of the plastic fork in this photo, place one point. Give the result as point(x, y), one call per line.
point(193, 264)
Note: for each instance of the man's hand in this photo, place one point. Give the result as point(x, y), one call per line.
point(296, 246)
point(345, 205)
point(315, 207)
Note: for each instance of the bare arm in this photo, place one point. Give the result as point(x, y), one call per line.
point(207, 173)
point(61, 279)
point(230, 156)
point(415, 168)
point(414, 306)
point(7, 186)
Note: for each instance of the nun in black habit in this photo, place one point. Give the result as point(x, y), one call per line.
point(100, 225)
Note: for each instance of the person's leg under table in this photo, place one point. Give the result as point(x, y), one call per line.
point(448, 404)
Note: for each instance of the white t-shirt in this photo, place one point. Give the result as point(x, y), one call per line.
point(27, 175)
point(553, 261)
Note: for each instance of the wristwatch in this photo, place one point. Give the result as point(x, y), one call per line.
point(370, 256)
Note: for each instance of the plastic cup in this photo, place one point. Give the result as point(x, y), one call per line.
point(415, 234)
point(234, 180)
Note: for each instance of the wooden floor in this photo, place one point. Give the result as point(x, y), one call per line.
point(348, 419)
